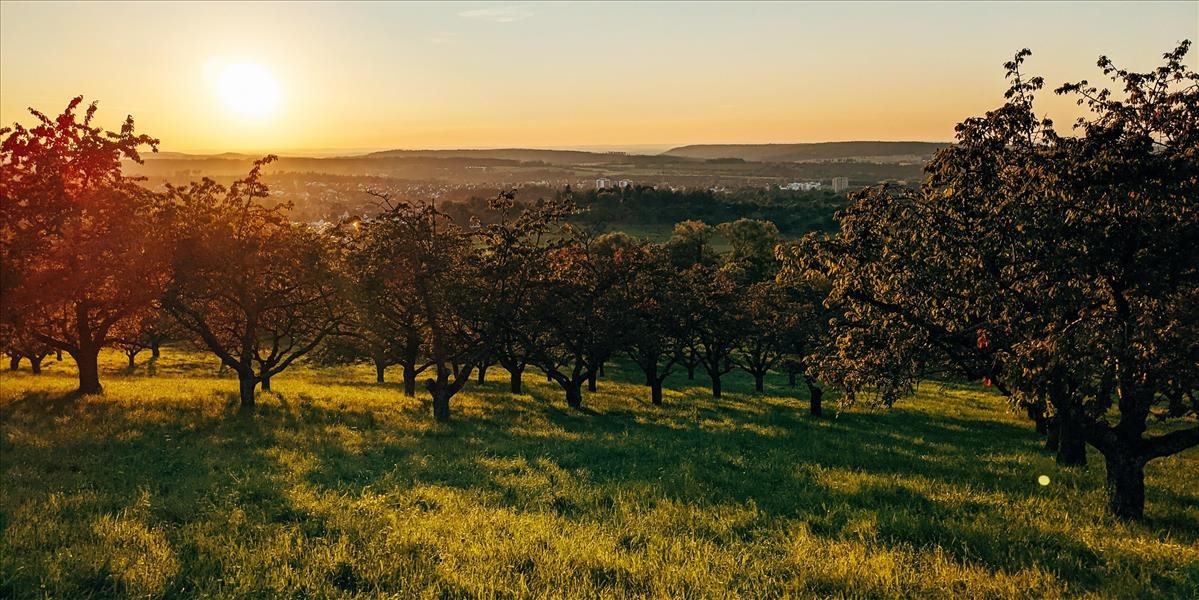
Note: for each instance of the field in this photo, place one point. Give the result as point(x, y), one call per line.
point(339, 487)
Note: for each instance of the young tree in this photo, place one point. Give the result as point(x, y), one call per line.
point(385, 323)
point(80, 243)
point(655, 328)
point(751, 258)
point(717, 320)
point(516, 246)
point(256, 289)
point(691, 244)
point(413, 257)
point(805, 330)
point(766, 320)
point(574, 309)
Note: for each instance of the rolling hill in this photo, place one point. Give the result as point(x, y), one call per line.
point(877, 151)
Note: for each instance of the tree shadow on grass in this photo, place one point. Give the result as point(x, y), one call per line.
point(531, 455)
point(593, 457)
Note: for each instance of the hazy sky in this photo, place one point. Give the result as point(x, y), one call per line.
point(378, 75)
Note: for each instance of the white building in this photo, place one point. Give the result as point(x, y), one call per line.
point(802, 186)
point(603, 183)
point(624, 183)
point(840, 184)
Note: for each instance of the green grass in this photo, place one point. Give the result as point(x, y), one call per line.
point(338, 487)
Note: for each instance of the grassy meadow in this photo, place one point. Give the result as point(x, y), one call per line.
point(338, 487)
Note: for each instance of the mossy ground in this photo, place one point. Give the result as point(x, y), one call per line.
point(337, 487)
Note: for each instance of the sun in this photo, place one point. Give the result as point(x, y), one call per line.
point(248, 89)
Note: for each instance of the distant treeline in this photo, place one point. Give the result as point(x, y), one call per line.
point(794, 213)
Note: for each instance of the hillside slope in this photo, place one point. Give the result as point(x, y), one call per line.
point(338, 487)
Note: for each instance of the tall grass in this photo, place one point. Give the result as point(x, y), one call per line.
point(339, 487)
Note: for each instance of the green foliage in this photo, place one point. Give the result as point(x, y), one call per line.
point(793, 213)
point(1065, 269)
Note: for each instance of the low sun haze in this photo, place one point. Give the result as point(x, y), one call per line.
point(342, 77)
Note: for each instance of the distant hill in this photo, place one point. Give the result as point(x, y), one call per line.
point(185, 156)
point(881, 151)
point(521, 154)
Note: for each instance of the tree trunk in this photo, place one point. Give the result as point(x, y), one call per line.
point(14, 362)
point(815, 396)
point(266, 383)
point(380, 367)
point(760, 382)
point(441, 404)
point(574, 394)
point(791, 379)
point(690, 372)
point(35, 362)
point(88, 360)
point(1125, 485)
point(601, 371)
point(1036, 412)
point(246, 384)
point(58, 355)
point(1071, 448)
point(514, 382)
point(155, 351)
point(132, 360)
point(591, 381)
point(409, 381)
point(655, 393)
point(483, 373)
point(715, 385)
point(1052, 432)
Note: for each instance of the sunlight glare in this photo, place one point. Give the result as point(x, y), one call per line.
point(248, 89)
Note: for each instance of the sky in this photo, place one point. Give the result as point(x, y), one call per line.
point(322, 77)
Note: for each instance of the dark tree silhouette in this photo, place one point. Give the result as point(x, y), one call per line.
point(81, 244)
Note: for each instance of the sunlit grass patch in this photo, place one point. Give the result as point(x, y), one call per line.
point(337, 486)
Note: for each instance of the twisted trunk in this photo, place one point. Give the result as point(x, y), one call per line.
point(574, 394)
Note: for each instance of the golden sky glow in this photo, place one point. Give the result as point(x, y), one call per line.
point(208, 77)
